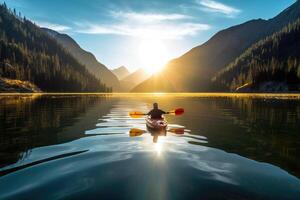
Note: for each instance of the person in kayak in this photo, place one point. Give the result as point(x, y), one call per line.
point(156, 113)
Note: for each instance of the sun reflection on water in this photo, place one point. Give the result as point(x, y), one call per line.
point(159, 147)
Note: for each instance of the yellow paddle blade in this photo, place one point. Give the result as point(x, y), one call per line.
point(178, 131)
point(134, 132)
point(136, 114)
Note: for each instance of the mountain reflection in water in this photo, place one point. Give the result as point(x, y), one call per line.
point(86, 146)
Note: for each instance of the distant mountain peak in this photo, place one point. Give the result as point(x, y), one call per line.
point(121, 72)
point(135, 78)
point(123, 68)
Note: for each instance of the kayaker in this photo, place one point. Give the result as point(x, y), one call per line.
point(156, 113)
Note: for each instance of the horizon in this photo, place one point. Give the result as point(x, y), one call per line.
point(140, 34)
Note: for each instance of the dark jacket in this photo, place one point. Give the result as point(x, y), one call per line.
point(156, 113)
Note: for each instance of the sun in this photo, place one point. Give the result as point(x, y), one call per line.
point(153, 55)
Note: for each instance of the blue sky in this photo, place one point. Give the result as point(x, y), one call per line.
point(114, 29)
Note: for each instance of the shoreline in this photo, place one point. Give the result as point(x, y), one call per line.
point(203, 95)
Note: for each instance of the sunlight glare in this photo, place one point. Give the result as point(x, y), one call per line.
point(153, 55)
point(158, 147)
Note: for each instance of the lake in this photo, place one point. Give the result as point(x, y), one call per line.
point(80, 146)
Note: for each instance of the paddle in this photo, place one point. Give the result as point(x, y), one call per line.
point(178, 131)
point(134, 132)
point(137, 114)
point(178, 111)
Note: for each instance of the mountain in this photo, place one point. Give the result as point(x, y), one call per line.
point(272, 64)
point(133, 79)
point(192, 72)
point(29, 55)
point(121, 72)
point(86, 58)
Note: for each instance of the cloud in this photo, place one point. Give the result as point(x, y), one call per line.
point(53, 26)
point(214, 6)
point(148, 17)
point(146, 25)
point(165, 31)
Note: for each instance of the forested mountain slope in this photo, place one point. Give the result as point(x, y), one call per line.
point(274, 61)
point(86, 58)
point(27, 53)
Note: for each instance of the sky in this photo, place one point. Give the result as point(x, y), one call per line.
point(125, 32)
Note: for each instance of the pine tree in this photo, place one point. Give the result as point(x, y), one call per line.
point(27, 53)
point(275, 58)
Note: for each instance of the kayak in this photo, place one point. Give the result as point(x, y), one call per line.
point(156, 124)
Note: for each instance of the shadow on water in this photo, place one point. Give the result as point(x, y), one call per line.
point(27, 122)
point(14, 169)
point(265, 130)
point(81, 146)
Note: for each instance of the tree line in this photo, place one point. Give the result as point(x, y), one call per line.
point(28, 53)
point(275, 58)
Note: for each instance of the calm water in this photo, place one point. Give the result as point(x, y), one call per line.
point(79, 147)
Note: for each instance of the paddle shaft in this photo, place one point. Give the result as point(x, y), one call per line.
point(137, 114)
